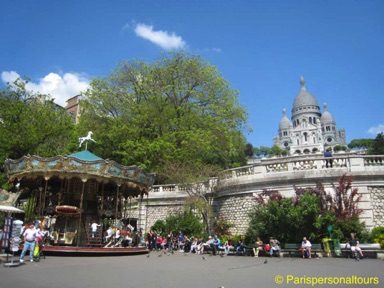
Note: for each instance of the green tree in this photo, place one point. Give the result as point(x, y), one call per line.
point(31, 123)
point(360, 143)
point(178, 108)
point(377, 147)
point(276, 151)
point(248, 150)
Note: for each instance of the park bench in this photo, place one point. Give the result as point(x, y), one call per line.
point(294, 248)
point(369, 249)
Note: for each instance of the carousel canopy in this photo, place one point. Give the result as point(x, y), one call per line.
point(85, 156)
point(6, 208)
point(83, 165)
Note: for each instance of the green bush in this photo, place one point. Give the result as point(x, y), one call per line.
point(377, 236)
point(187, 222)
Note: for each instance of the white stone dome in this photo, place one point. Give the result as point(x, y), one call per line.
point(326, 117)
point(304, 98)
point(285, 123)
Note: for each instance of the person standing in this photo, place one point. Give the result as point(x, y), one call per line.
point(328, 158)
point(94, 226)
point(29, 242)
point(170, 241)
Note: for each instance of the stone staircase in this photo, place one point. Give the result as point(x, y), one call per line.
point(90, 241)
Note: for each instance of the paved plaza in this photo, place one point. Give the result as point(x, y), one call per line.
point(190, 270)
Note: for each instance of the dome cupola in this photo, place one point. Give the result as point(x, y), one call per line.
point(285, 123)
point(326, 117)
point(304, 101)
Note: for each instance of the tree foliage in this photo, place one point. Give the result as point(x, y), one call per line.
point(178, 108)
point(308, 213)
point(360, 143)
point(186, 222)
point(31, 123)
point(377, 146)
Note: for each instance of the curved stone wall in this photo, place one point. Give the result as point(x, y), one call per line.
point(232, 191)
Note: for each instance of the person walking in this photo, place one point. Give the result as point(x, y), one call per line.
point(29, 242)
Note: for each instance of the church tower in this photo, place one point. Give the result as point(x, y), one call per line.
point(310, 131)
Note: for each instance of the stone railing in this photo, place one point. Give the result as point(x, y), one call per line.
point(346, 161)
point(349, 162)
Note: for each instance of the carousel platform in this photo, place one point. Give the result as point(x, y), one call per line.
point(92, 251)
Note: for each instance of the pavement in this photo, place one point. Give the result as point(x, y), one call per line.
point(189, 270)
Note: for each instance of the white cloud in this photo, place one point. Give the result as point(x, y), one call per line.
point(376, 129)
point(163, 39)
point(59, 87)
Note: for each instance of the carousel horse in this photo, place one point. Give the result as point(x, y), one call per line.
point(87, 138)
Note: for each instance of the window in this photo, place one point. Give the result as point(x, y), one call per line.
point(305, 137)
point(298, 142)
point(285, 133)
point(310, 119)
point(314, 120)
point(328, 128)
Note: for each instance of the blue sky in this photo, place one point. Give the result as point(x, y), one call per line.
point(261, 47)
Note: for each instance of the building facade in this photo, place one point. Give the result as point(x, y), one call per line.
point(309, 130)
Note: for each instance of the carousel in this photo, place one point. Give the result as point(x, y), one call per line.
point(69, 193)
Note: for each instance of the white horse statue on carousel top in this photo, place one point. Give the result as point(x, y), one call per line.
point(86, 139)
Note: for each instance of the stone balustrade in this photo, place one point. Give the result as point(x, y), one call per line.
point(348, 162)
point(232, 191)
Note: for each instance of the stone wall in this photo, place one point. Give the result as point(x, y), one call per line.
point(235, 209)
point(377, 201)
point(160, 212)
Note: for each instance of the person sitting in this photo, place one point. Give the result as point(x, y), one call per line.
point(215, 244)
point(275, 246)
point(108, 234)
point(206, 244)
point(257, 247)
point(193, 245)
point(328, 158)
point(199, 244)
point(164, 243)
point(354, 243)
point(306, 248)
point(127, 239)
point(158, 242)
point(229, 245)
point(240, 247)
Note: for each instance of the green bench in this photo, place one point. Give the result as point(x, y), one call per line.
point(370, 249)
point(294, 248)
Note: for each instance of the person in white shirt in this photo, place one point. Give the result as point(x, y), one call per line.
point(94, 226)
point(29, 242)
point(109, 234)
point(306, 246)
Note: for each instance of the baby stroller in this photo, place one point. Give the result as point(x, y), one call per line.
point(38, 252)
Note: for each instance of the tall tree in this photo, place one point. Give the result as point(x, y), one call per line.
point(177, 109)
point(377, 147)
point(31, 123)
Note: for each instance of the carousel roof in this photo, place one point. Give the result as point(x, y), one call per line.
point(84, 165)
point(85, 155)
